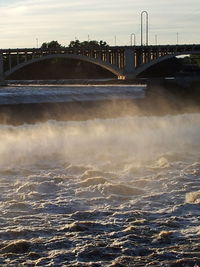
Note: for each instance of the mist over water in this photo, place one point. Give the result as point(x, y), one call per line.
point(135, 139)
point(102, 192)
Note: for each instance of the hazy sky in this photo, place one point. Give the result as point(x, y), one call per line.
point(22, 22)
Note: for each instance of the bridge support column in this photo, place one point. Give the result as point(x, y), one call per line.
point(129, 63)
point(2, 81)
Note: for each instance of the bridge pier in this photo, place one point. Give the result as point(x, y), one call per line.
point(129, 63)
point(2, 81)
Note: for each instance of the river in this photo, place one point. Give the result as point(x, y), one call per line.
point(111, 191)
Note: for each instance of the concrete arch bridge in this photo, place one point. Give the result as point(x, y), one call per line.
point(126, 62)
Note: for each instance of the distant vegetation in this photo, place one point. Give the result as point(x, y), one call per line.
point(76, 44)
point(88, 44)
point(52, 44)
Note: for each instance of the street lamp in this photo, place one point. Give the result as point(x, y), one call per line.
point(156, 39)
point(147, 26)
point(37, 42)
point(177, 37)
point(131, 40)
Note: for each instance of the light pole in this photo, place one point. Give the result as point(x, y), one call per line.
point(156, 39)
point(131, 41)
point(147, 27)
point(177, 37)
point(37, 42)
point(115, 40)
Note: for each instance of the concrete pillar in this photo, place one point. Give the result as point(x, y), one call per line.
point(116, 58)
point(26, 57)
point(134, 59)
point(139, 58)
point(17, 58)
point(121, 60)
point(129, 66)
point(149, 55)
point(2, 81)
point(10, 61)
point(107, 57)
point(157, 54)
point(111, 57)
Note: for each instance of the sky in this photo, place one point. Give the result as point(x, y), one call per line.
point(29, 23)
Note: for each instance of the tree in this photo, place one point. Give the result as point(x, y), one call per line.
point(103, 44)
point(93, 44)
point(52, 44)
point(75, 44)
point(88, 44)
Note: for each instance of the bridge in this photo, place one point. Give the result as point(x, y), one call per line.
point(126, 62)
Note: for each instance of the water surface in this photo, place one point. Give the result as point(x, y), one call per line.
point(102, 192)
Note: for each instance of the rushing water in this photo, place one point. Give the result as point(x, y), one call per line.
point(102, 192)
point(61, 93)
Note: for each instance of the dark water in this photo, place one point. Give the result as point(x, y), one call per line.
point(121, 191)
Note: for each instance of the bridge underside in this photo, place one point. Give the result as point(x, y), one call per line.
point(113, 69)
point(152, 63)
point(61, 69)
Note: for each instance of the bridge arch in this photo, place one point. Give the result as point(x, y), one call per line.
point(151, 63)
point(115, 70)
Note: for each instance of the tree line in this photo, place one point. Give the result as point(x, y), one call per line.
point(75, 44)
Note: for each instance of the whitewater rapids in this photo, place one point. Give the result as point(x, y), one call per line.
point(103, 192)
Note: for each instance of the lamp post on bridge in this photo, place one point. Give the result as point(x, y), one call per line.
point(131, 41)
point(147, 27)
point(177, 37)
point(115, 40)
point(156, 39)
